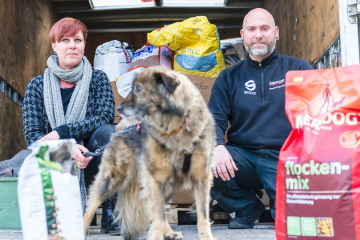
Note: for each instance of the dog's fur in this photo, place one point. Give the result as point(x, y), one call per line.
point(146, 167)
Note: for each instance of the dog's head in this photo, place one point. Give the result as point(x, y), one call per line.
point(155, 90)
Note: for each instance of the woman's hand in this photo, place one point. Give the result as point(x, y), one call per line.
point(53, 135)
point(224, 164)
point(80, 160)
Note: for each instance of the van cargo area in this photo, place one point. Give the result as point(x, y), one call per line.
point(323, 32)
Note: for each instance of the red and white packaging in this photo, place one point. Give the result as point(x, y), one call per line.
point(318, 179)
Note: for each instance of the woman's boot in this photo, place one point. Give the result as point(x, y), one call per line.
point(107, 220)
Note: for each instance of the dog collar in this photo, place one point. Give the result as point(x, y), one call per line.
point(177, 129)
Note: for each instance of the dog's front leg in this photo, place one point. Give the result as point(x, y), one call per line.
point(103, 186)
point(159, 228)
point(201, 191)
point(90, 211)
point(99, 191)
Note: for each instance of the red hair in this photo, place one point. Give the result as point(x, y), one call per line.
point(67, 27)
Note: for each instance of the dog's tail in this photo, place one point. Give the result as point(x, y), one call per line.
point(131, 211)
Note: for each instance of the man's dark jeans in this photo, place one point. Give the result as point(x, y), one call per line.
point(257, 170)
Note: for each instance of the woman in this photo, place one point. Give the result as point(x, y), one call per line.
point(71, 101)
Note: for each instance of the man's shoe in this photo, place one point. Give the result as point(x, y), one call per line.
point(248, 221)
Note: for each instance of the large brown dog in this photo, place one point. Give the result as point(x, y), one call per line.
point(173, 149)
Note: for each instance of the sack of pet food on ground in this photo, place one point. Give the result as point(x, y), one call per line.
point(49, 193)
point(113, 58)
point(196, 44)
point(149, 56)
point(318, 179)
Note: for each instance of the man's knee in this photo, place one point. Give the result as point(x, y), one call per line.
point(218, 188)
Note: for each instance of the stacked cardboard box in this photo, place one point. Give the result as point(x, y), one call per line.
point(204, 84)
point(118, 100)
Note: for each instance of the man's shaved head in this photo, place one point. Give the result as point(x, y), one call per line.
point(259, 33)
point(259, 12)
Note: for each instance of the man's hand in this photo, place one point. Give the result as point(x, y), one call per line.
point(224, 164)
point(53, 135)
point(80, 160)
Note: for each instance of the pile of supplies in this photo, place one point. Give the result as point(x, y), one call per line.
point(190, 47)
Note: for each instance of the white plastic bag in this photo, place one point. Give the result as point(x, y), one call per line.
point(113, 58)
point(124, 82)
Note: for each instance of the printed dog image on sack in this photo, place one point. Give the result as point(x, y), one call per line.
point(49, 193)
point(171, 149)
point(318, 180)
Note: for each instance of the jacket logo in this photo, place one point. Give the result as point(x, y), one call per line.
point(276, 84)
point(250, 86)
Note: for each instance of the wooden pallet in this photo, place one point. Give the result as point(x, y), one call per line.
point(174, 213)
point(98, 216)
point(180, 214)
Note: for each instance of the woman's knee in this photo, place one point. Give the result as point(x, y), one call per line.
point(104, 131)
point(100, 137)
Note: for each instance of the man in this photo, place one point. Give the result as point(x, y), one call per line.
point(251, 97)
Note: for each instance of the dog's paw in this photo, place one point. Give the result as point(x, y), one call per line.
point(173, 236)
point(206, 237)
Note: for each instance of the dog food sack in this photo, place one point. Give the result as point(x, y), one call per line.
point(49, 193)
point(113, 58)
point(196, 44)
point(318, 179)
point(149, 55)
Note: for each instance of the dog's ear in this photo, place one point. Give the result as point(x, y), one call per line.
point(169, 80)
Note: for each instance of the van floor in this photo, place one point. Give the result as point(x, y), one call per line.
point(261, 231)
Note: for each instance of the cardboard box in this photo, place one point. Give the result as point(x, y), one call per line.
point(204, 84)
point(118, 100)
point(182, 197)
point(9, 206)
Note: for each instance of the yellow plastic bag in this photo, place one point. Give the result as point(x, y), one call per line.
point(196, 44)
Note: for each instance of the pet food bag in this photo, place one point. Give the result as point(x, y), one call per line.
point(318, 178)
point(149, 55)
point(49, 193)
point(196, 44)
point(113, 58)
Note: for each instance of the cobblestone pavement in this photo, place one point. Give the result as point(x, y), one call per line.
point(220, 232)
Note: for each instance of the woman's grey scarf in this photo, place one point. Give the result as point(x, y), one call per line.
point(76, 111)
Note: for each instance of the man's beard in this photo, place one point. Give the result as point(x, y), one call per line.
point(260, 52)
